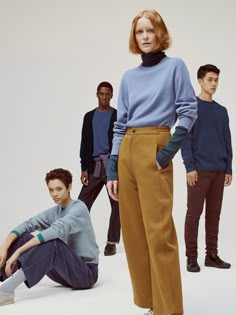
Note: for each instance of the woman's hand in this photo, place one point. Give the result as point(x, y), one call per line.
point(112, 187)
point(158, 166)
point(11, 264)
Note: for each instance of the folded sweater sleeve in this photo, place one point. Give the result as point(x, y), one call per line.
point(112, 172)
point(173, 145)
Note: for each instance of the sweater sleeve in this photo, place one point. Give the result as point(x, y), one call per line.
point(228, 146)
point(83, 145)
point(187, 153)
point(112, 172)
point(122, 114)
point(38, 222)
point(76, 220)
point(172, 147)
point(185, 98)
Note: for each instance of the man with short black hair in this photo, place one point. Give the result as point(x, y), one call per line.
point(64, 247)
point(95, 148)
point(207, 155)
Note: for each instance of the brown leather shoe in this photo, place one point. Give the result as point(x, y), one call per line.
point(214, 260)
point(192, 264)
point(110, 249)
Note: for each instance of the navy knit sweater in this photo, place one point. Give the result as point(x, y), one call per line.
point(208, 145)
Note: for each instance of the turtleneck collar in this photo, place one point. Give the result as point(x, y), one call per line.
point(152, 58)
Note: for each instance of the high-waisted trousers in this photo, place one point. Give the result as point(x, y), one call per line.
point(149, 236)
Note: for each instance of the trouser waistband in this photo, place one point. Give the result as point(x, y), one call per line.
point(147, 130)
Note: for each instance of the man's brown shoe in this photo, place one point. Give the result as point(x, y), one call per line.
point(214, 260)
point(192, 264)
point(110, 249)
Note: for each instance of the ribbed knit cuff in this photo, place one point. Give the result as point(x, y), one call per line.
point(171, 148)
point(112, 173)
point(40, 238)
point(15, 232)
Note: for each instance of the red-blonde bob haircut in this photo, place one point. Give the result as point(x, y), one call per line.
point(160, 29)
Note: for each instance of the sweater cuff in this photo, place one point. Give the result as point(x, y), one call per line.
point(40, 238)
point(112, 173)
point(15, 232)
point(228, 171)
point(190, 169)
point(171, 148)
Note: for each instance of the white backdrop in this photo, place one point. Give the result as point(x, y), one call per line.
point(53, 55)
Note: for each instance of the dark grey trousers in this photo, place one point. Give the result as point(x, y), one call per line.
point(89, 194)
point(56, 260)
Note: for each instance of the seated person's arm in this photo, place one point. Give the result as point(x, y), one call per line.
point(11, 262)
point(4, 247)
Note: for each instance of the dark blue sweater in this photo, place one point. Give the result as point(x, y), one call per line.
point(208, 145)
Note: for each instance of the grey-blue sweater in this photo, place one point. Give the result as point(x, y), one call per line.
point(155, 96)
point(72, 225)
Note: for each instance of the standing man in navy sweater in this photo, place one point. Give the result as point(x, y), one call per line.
point(207, 156)
point(95, 148)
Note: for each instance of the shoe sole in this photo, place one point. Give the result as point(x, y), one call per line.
point(218, 267)
point(7, 302)
point(191, 270)
point(109, 254)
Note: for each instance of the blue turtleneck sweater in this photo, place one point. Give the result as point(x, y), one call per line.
point(208, 145)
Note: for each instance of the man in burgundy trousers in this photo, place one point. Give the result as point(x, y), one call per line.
point(207, 156)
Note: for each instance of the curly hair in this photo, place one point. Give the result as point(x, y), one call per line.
point(59, 173)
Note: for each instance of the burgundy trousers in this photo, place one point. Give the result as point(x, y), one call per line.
point(209, 190)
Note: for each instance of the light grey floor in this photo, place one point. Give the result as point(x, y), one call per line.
point(210, 292)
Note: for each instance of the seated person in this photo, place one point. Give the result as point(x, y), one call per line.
point(64, 248)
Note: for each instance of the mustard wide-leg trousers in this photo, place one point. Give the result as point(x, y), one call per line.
point(149, 236)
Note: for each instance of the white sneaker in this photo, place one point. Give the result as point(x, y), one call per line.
point(6, 298)
point(150, 312)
